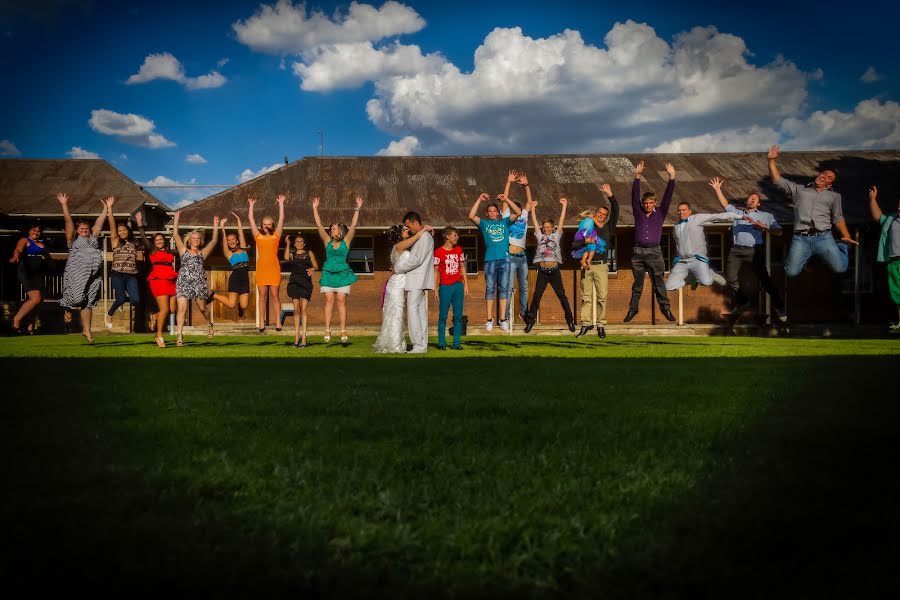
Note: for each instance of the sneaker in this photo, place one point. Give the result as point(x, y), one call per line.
point(457, 348)
point(107, 322)
point(894, 328)
point(780, 314)
point(441, 347)
point(504, 325)
point(717, 278)
point(489, 325)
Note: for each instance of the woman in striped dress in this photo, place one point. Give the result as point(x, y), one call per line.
point(191, 283)
point(81, 279)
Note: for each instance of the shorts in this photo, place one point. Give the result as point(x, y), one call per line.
point(344, 289)
point(893, 269)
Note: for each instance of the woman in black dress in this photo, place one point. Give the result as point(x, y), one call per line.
point(33, 262)
point(300, 264)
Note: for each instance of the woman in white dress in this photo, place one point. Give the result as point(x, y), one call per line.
point(393, 315)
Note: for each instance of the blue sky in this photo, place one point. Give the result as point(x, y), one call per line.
point(241, 85)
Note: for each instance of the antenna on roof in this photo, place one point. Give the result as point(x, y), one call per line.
point(285, 159)
point(321, 143)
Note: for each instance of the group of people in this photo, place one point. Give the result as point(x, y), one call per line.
point(418, 268)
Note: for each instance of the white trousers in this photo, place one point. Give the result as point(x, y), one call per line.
point(689, 266)
point(417, 320)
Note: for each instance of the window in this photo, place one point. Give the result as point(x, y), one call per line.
point(664, 244)
point(469, 244)
point(613, 261)
point(361, 257)
point(715, 248)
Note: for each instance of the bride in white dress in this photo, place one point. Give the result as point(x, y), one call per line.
point(393, 315)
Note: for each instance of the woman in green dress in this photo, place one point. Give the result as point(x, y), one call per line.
point(337, 276)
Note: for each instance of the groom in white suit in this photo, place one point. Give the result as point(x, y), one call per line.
point(419, 269)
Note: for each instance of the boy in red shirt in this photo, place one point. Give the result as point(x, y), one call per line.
point(451, 286)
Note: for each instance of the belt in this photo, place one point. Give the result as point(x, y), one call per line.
point(743, 246)
point(548, 269)
point(811, 232)
point(646, 245)
point(600, 262)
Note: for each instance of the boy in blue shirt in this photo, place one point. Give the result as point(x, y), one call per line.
point(495, 231)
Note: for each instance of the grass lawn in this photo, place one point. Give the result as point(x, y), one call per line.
point(539, 466)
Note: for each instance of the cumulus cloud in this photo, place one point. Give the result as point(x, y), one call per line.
point(165, 66)
point(248, 174)
point(195, 159)
point(730, 140)
point(177, 197)
point(7, 148)
point(222, 62)
point(350, 65)
point(871, 125)
point(403, 147)
point(128, 128)
point(870, 76)
point(79, 152)
point(286, 28)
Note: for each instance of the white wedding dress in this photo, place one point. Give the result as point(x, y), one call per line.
point(393, 315)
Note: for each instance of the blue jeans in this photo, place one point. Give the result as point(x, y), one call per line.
point(450, 295)
point(126, 288)
point(496, 278)
point(518, 270)
point(835, 255)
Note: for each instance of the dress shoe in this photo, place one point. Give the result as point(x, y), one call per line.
point(584, 330)
point(667, 313)
point(630, 314)
point(601, 332)
point(571, 325)
point(529, 325)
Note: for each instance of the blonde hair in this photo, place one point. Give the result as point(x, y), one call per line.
point(200, 232)
point(586, 213)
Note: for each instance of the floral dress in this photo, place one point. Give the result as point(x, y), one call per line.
point(191, 282)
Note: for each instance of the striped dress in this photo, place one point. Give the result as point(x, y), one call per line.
point(81, 279)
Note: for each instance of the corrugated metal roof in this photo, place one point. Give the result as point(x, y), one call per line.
point(29, 187)
point(443, 188)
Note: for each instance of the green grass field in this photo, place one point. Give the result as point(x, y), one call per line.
point(540, 466)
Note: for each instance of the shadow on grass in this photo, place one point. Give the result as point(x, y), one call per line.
point(792, 491)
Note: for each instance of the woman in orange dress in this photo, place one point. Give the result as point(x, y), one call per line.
point(268, 269)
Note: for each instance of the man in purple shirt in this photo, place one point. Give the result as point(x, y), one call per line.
point(647, 255)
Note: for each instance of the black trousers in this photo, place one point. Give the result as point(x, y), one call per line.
point(642, 261)
point(554, 278)
point(756, 257)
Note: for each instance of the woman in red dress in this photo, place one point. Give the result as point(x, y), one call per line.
point(162, 277)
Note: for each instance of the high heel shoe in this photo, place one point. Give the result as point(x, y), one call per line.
point(88, 337)
point(209, 330)
point(179, 341)
point(160, 342)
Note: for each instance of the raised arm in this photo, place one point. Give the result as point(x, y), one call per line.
point(287, 248)
point(873, 204)
point(240, 231)
point(514, 210)
point(562, 213)
point(473, 212)
point(225, 250)
point(253, 228)
point(523, 181)
point(716, 184)
point(98, 223)
point(176, 237)
point(108, 202)
point(322, 233)
point(536, 225)
point(670, 190)
point(70, 225)
point(139, 219)
point(774, 173)
point(352, 231)
point(280, 226)
point(512, 176)
point(636, 189)
point(215, 239)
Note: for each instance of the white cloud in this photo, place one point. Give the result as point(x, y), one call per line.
point(404, 147)
point(7, 148)
point(177, 197)
point(351, 65)
point(871, 125)
point(247, 174)
point(166, 66)
point(123, 157)
point(222, 62)
point(561, 94)
point(286, 28)
point(79, 152)
point(730, 140)
point(128, 128)
point(870, 76)
point(195, 159)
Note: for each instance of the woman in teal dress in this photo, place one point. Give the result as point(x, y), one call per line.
point(337, 276)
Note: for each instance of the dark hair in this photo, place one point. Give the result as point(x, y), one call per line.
point(551, 221)
point(411, 216)
point(80, 221)
point(494, 204)
point(341, 227)
point(683, 203)
point(130, 230)
point(832, 169)
point(32, 225)
point(395, 234)
point(448, 230)
point(648, 196)
point(519, 204)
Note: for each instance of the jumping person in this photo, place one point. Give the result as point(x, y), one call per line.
point(548, 258)
point(32, 258)
point(268, 270)
point(888, 248)
point(161, 278)
point(82, 277)
point(518, 260)
point(647, 255)
point(124, 273)
point(596, 273)
point(817, 208)
point(337, 276)
point(452, 286)
point(301, 263)
point(748, 248)
point(495, 231)
point(690, 243)
point(235, 251)
point(191, 283)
